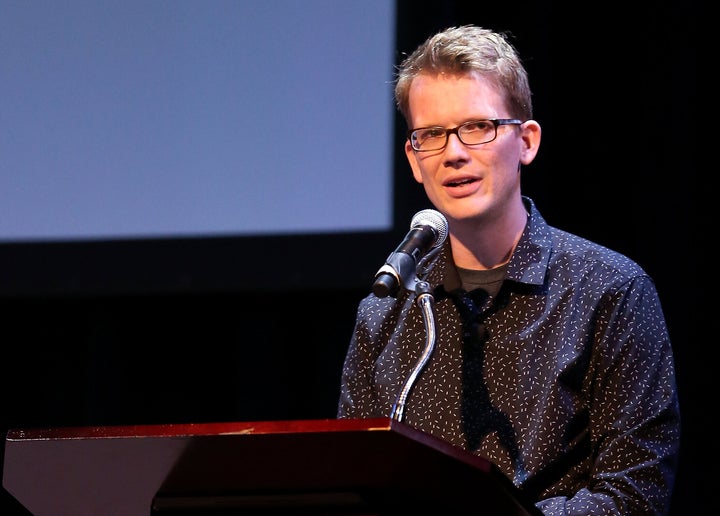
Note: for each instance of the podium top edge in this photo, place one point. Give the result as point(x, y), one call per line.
point(201, 429)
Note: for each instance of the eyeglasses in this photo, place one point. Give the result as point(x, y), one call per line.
point(474, 132)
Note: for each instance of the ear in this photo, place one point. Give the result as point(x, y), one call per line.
point(531, 135)
point(412, 159)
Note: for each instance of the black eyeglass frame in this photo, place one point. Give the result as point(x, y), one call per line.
point(456, 131)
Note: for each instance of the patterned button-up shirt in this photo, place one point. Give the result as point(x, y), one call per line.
point(564, 380)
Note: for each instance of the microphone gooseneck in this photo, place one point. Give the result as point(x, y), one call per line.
point(426, 302)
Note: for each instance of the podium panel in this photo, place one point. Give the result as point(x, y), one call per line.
point(319, 467)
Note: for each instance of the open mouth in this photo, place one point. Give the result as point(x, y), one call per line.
point(461, 182)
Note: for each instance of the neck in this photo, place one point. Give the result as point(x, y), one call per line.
point(483, 244)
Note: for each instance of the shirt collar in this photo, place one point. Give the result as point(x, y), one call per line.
point(528, 263)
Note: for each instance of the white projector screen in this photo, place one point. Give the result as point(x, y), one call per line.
point(183, 118)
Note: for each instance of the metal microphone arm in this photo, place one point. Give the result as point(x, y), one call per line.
point(426, 302)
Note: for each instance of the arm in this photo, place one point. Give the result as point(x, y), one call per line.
point(634, 417)
point(359, 396)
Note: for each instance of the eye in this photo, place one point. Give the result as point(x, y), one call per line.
point(481, 126)
point(430, 132)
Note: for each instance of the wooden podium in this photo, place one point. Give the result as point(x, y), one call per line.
point(333, 467)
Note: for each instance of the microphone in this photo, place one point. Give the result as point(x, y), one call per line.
point(428, 231)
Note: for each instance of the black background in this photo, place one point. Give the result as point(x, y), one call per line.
point(256, 328)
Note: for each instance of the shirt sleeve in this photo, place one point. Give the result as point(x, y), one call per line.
point(357, 390)
point(634, 416)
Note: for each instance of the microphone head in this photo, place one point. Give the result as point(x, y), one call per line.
point(435, 220)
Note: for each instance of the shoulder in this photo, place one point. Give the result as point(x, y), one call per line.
point(546, 250)
point(579, 252)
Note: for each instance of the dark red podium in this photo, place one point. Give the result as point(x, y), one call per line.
point(303, 467)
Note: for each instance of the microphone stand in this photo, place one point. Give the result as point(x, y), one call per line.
point(426, 302)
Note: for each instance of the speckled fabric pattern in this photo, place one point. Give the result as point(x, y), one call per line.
point(565, 380)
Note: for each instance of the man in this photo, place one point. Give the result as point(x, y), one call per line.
point(552, 357)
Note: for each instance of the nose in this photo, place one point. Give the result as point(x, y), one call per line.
point(454, 147)
point(455, 152)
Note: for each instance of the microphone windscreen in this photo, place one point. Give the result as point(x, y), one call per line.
point(435, 220)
